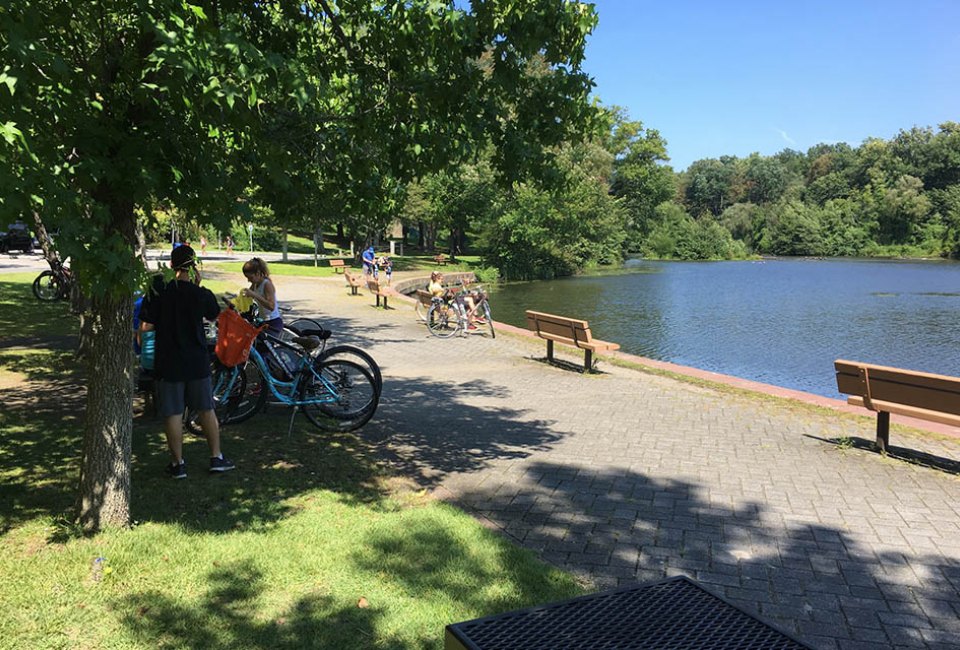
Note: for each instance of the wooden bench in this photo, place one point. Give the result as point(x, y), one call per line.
point(337, 266)
point(354, 281)
point(568, 331)
point(440, 259)
point(379, 292)
point(893, 390)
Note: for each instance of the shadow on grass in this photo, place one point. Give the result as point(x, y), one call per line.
point(228, 617)
point(423, 567)
point(26, 321)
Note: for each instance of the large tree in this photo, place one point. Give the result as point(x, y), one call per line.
point(112, 105)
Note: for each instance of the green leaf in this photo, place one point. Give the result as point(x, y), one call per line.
point(197, 11)
point(11, 82)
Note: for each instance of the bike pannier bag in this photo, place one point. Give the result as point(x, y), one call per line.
point(235, 336)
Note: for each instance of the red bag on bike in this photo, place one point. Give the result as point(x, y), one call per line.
point(235, 336)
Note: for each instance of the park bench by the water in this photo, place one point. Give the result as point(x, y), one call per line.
point(337, 266)
point(673, 613)
point(440, 259)
point(354, 281)
point(379, 292)
point(894, 390)
point(569, 331)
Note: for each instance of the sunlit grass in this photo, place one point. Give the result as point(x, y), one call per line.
point(311, 542)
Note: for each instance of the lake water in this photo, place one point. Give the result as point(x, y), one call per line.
point(781, 322)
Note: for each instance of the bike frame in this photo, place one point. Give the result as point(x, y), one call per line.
point(279, 386)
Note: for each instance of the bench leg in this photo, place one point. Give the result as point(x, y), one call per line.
point(587, 360)
point(549, 350)
point(385, 303)
point(883, 431)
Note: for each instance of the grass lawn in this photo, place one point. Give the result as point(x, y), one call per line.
point(306, 268)
point(311, 543)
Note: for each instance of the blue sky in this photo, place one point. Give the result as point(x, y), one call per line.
point(731, 77)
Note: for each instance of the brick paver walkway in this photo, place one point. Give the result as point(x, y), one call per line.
point(625, 476)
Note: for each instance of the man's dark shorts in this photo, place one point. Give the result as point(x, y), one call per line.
point(174, 396)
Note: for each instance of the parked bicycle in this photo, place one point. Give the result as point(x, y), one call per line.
point(334, 392)
point(448, 315)
point(54, 284)
point(312, 327)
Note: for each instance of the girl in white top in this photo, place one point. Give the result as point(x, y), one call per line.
point(263, 292)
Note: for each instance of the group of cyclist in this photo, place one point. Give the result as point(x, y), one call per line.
point(466, 301)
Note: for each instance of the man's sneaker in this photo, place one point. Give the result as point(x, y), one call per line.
point(221, 465)
point(176, 470)
point(480, 321)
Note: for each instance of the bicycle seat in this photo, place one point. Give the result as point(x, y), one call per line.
point(307, 342)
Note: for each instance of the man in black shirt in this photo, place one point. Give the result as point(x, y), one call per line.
point(176, 311)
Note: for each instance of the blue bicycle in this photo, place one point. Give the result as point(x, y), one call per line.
point(334, 393)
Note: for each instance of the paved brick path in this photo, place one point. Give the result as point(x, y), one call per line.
point(626, 476)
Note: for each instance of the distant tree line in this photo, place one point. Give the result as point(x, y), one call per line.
point(611, 194)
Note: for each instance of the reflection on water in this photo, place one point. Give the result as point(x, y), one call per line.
point(781, 322)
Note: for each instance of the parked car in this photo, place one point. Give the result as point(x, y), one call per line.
point(17, 238)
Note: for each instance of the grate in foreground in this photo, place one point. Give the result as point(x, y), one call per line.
point(675, 613)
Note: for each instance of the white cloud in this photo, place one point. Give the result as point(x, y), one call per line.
point(783, 134)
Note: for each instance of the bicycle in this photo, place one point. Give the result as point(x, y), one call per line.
point(445, 319)
point(54, 284)
point(448, 316)
point(311, 327)
point(335, 394)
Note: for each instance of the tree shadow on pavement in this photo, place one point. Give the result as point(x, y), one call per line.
point(817, 581)
point(426, 430)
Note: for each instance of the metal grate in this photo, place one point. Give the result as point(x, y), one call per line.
point(675, 613)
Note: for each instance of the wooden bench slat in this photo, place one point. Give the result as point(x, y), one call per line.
point(912, 411)
point(916, 377)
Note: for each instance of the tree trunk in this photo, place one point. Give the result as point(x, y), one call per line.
point(317, 243)
point(420, 236)
point(105, 467)
point(284, 231)
point(104, 499)
point(142, 245)
point(46, 244)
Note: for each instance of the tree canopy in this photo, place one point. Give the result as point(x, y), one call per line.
point(114, 107)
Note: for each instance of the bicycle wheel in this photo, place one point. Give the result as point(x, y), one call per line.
point(47, 287)
point(229, 387)
point(358, 356)
point(443, 321)
point(348, 393)
point(422, 310)
point(489, 318)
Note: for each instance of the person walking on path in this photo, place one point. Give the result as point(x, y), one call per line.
point(229, 245)
point(175, 311)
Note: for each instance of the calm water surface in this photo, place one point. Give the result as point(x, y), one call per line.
point(781, 322)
